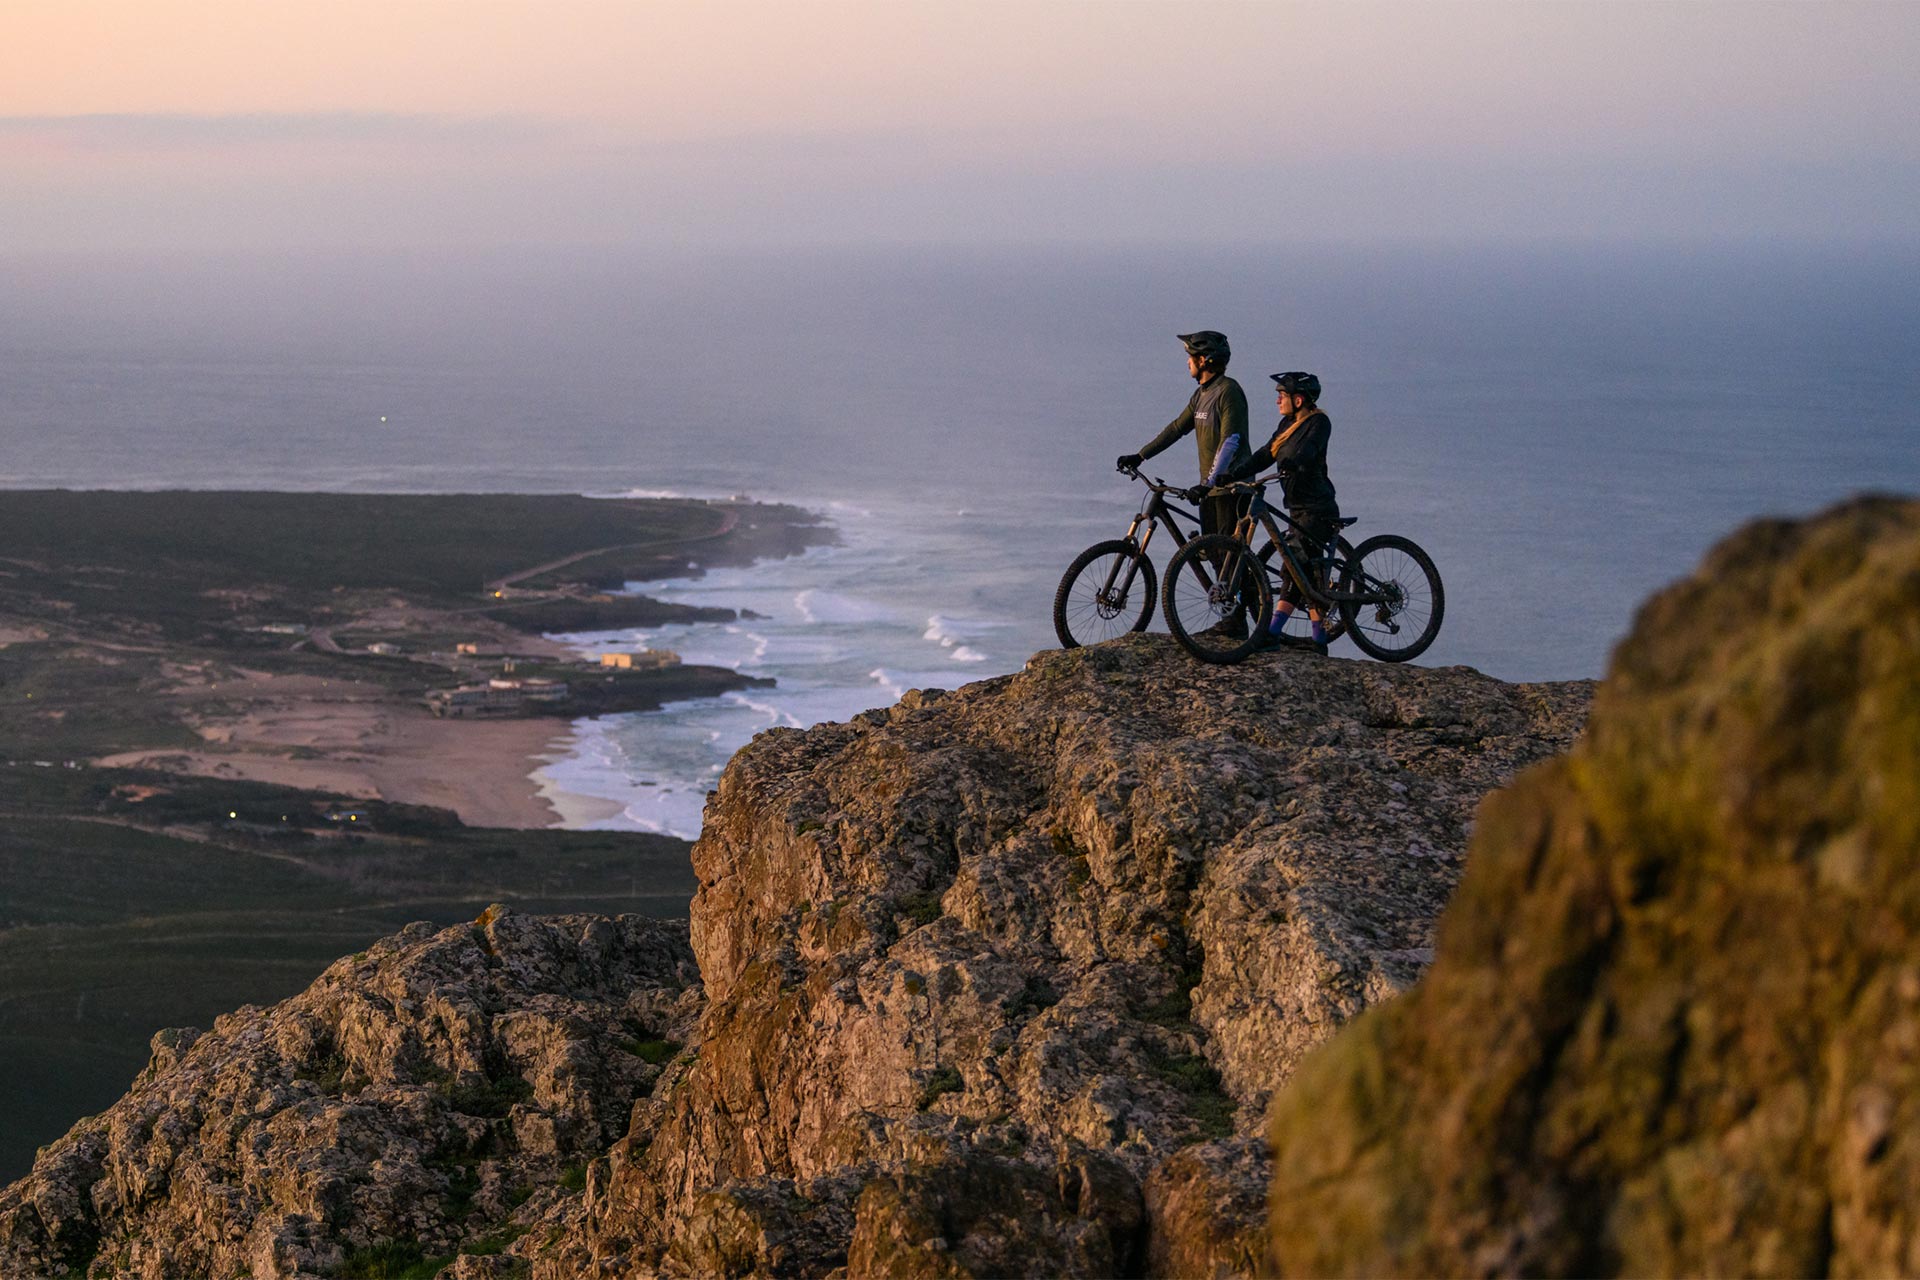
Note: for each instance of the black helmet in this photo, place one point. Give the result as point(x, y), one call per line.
point(1208, 344)
point(1299, 384)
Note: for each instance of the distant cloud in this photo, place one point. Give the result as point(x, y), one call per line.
point(148, 130)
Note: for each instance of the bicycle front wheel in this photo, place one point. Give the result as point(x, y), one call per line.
point(1217, 598)
point(1107, 591)
point(1397, 602)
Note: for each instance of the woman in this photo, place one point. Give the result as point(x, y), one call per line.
point(1299, 449)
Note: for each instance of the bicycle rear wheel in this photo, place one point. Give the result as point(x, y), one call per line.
point(1211, 582)
point(1107, 591)
point(1401, 601)
point(1332, 621)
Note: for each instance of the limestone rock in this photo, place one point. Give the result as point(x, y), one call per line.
point(1674, 1023)
point(997, 981)
point(391, 1101)
point(981, 965)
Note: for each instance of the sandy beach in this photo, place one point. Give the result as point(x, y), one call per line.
point(360, 740)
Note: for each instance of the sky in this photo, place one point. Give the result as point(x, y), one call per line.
point(196, 124)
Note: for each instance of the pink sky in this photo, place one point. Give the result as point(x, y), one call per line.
point(142, 123)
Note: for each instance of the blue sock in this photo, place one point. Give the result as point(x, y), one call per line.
point(1279, 622)
point(1319, 632)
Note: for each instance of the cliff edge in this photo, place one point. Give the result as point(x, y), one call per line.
point(997, 981)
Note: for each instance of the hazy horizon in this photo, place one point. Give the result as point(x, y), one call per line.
point(172, 125)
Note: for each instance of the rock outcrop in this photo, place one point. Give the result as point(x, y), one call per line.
point(1674, 1025)
point(408, 1102)
point(980, 966)
point(998, 981)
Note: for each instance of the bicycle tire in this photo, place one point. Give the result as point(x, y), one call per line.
point(1081, 617)
point(1332, 621)
point(1194, 601)
point(1417, 600)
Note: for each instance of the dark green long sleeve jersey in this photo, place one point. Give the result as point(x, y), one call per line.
point(1217, 410)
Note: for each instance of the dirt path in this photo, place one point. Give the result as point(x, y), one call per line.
point(728, 519)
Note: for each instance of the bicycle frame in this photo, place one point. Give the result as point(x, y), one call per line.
point(1259, 515)
point(1154, 512)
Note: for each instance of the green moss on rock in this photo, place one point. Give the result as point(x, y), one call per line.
point(1672, 1022)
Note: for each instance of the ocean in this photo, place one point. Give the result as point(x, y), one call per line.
point(1563, 428)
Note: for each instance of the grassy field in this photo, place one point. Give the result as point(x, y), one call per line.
point(432, 544)
point(59, 701)
point(180, 563)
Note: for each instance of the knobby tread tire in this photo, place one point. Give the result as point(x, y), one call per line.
point(1424, 591)
point(1077, 619)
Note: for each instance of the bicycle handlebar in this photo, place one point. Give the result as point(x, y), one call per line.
point(1152, 482)
point(1220, 490)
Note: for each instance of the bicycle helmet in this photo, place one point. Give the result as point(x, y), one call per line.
point(1208, 344)
point(1300, 384)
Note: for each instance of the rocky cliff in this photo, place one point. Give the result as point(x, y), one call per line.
point(1674, 1025)
point(998, 981)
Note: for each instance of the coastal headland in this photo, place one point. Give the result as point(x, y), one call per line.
point(324, 641)
point(242, 731)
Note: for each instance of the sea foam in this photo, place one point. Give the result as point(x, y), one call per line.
point(840, 629)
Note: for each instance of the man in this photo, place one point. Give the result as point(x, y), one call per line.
point(1299, 449)
point(1216, 413)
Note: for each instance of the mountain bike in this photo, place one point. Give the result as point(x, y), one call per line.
point(1385, 592)
point(1110, 588)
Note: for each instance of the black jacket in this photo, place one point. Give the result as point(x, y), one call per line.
point(1301, 456)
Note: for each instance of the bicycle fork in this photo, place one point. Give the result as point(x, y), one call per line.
point(1108, 596)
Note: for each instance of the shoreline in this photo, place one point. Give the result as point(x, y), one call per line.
point(843, 629)
point(574, 809)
